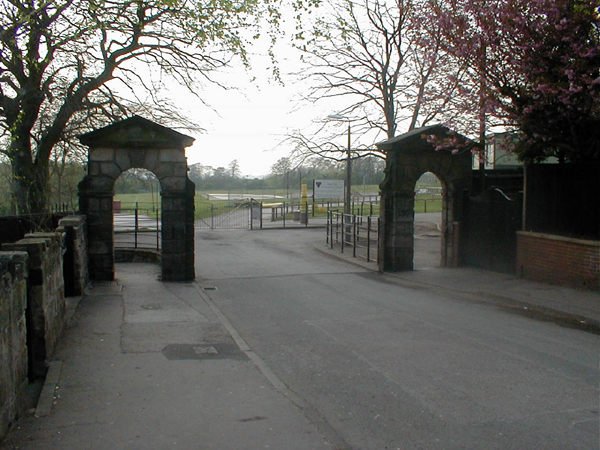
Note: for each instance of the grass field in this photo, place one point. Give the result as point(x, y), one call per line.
point(205, 208)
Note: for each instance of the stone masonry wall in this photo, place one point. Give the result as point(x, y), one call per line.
point(45, 295)
point(34, 274)
point(13, 335)
point(75, 260)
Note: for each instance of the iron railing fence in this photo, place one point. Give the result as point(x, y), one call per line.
point(427, 205)
point(257, 215)
point(65, 207)
point(353, 233)
point(370, 206)
point(137, 225)
point(288, 214)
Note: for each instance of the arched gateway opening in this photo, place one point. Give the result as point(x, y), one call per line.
point(428, 222)
point(139, 143)
point(409, 156)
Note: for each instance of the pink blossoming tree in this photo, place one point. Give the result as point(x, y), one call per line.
point(537, 64)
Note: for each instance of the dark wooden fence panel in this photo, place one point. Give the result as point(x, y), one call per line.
point(564, 199)
point(489, 238)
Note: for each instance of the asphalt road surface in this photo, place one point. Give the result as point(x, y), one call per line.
point(385, 365)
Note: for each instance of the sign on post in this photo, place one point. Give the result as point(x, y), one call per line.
point(328, 189)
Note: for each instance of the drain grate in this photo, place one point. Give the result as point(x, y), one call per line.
point(180, 352)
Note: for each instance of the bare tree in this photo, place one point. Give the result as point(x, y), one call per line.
point(65, 62)
point(385, 61)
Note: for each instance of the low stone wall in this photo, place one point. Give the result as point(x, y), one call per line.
point(559, 260)
point(45, 295)
point(75, 263)
point(35, 273)
point(13, 335)
point(143, 255)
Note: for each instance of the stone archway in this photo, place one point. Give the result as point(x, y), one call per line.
point(139, 143)
point(408, 157)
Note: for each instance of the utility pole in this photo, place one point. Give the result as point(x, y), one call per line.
point(348, 200)
point(348, 181)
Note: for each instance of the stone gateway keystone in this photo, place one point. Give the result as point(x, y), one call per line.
point(139, 143)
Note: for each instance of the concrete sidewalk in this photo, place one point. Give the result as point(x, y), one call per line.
point(569, 307)
point(151, 365)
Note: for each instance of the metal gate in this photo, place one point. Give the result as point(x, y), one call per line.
point(137, 225)
point(257, 215)
point(224, 214)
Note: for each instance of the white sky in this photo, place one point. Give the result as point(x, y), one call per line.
point(248, 125)
point(250, 122)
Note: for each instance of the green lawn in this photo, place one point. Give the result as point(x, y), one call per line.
point(428, 204)
point(145, 201)
point(206, 208)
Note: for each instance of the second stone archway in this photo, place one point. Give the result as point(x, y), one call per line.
point(429, 149)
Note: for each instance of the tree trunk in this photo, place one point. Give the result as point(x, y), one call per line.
point(29, 181)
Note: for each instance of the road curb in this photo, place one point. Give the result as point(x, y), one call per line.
point(51, 384)
point(511, 304)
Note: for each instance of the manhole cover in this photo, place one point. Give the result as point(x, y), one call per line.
point(179, 352)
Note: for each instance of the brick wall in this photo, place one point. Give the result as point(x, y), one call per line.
point(13, 336)
point(558, 260)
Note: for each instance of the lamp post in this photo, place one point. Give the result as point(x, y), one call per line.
point(348, 183)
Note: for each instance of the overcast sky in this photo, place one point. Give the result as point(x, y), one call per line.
point(250, 123)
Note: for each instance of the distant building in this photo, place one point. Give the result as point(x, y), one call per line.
point(499, 152)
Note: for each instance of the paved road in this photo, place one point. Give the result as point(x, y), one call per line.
point(386, 364)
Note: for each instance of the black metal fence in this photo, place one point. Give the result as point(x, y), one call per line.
point(257, 215)
point(64, 208)
point(353, 233)
point(281, 214)
point(136, 225)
